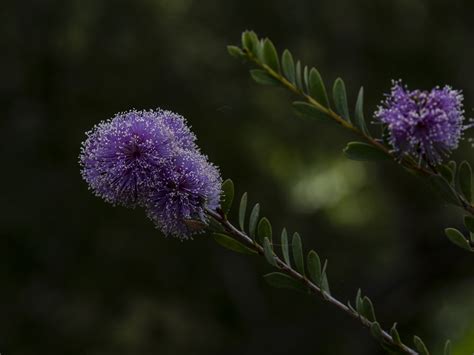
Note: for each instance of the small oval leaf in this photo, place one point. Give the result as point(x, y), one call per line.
point(284, 247)
point(280, 280)
point(270, 56)
point(235, 52)
point(268, 252)
point(288, 66)
point(420, 346)
point(298, 78)
point(363, 152)
point(457, 238)
point(242, 211)
point(250, 41)
point(231, 244)
point(368, 309)
point(307, 110)
point(314, 267)
point(359, 112)
point(340, 99)
point(316, 87)
point(264, 229)
point(253, 220)
point(298, 253)
point(262, 77)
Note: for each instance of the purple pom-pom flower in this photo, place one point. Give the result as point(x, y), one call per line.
point(189, 185)
point(150, 159)
point(427, 125)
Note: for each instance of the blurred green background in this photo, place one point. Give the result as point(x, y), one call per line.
point(80, 277)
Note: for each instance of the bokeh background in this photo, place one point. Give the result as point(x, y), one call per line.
point(81, 277)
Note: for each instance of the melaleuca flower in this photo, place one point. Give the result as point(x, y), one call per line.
point(427, 125)
point(189, 184)
point(178, 126)
point(122, 156)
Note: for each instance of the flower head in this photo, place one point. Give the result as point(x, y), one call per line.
point(189, 185)
point(121, 157)
point(427, 125)
point(150, 159)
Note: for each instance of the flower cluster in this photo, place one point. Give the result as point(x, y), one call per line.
point(427, 125)
point(150, 159)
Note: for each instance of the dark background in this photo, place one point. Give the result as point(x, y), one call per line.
point(78, 276)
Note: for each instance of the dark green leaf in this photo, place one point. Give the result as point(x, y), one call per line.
point(363, 152)
point(316, 87)
point(262, 77)
point(231, 244)
point(314, 267)
point(465, 180)
point(250, 41)
point(456, 237)
point(270, 55)
point(368, 309)
point(447, 347)
point(279, 280)
point(227, 196)
point(447, 173)
point(308, 110)
point(264, 229)
point(268, 252)
point(253, 220)
point(420, 346)
point(395, 335)
point(442, 187)
point(340, 99)
point(358, 301)
point(242, 211)
point(376, 331)
point(299, 79)
point(284, 247)
point(306, 78)
point(298, 253)
point(235, 51)
point(288, 66)
point(359, 112)
point(324, 279)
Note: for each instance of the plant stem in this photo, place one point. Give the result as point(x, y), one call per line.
point(287, 269)
point(406, 161)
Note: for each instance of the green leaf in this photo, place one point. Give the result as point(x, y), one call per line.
point(250, 41)
point(227, 195)
point(395, 335)
point(359, 112)
point(358, 301)
point(242, 211)
point(307, 110)
point(420, 346)
point(280, 280)
point(314, 267)
point(456, 237)
point(253, 220)
point(444, 189)
point(363, 152)
point(284, 247)
point(447, 173)
point(231, 244)
point(268, 252)
point(270, 55)
point(376, 331)
point(235, 51)
point(316, 87)
point(447, 347)
point(340, 99)
point(306, 78)
point(299, 79)
point(324, 279)
point(264, 229)
point(368, 309)
point(465, 180)
point(262, 77)
point(298, 253)
point(288, 66)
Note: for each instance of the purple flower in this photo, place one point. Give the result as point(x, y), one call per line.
point(150, 159)
point(122, 156)
point(427, 125)
point(189, 185)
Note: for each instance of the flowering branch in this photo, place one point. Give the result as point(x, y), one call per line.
point(311, 279)
point(452, 183)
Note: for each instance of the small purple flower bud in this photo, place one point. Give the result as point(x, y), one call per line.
point(427, 125)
